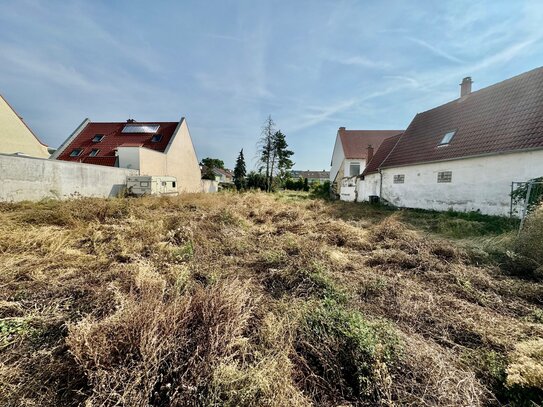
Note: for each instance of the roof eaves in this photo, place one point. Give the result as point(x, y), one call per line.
point(70, 138)
point(22, 120)
point(464, 157)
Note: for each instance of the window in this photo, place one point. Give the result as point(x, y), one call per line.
point(163, 183)
point(399, 179)
point(447, 138)
point(94, 152)
point(144, 184)
point(354, 169)
point(97, 138)
point(156, 138)
point(173, 184)
point(76, 152)
point(141, 128)
point(444, 176)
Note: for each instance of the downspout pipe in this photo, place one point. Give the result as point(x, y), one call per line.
point(380, 185)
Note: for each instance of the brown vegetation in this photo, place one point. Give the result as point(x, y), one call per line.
point(254, 299)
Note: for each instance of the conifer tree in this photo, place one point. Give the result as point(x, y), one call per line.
point(240, 172)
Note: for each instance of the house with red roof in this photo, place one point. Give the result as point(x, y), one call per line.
point(152, 148)
point(353, 149)
point(465, 154)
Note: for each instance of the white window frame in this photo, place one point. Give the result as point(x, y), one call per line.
point(359, 168)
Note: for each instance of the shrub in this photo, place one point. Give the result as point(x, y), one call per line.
point(530, 240)
point(525, 373)
point(344, 356)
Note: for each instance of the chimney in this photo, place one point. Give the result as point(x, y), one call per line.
point(342, 129)
point(130, 121)
point(369, 155)
point(465, 86)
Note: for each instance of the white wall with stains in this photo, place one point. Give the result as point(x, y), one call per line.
point(480, 183)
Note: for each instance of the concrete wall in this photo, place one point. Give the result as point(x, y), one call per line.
point(482, 183)
point(209, 185)
point(25, 178)
point(16, 136)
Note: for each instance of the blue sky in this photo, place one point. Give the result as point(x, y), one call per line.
point(225, 65)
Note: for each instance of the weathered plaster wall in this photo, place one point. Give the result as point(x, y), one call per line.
point(25, 178)
point(482, 183)
point(370, 185)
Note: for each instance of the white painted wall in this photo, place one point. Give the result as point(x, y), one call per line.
point(26, 178)
point(370, 185)
point(482, 183)
point(337, 159)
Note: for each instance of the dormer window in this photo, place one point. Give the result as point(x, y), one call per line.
point(447, 138)
point(94, 152)
point(156, 138)
point(76, 152)
point(97, 138)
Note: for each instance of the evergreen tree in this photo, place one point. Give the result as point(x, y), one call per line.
point(240, 172)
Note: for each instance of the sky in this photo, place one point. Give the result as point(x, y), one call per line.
point(226, 65)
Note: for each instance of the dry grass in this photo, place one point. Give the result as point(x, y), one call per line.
point(255, 299)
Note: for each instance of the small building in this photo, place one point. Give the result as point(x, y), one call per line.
point(353, 149)
point(465, 154)
point(313, 177)
point(151, 185)
point(16, 137)
point(153, 148)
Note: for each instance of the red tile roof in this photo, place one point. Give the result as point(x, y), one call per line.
point(113, 138)
point(504, 117)
point(381, 154)
point(355, 142)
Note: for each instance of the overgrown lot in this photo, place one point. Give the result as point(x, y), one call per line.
point(264, 300)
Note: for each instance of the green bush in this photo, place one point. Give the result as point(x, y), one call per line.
point(344, 352)
point(529, 243)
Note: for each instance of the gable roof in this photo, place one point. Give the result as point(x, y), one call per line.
point(17, 135)
point(355, 142)
point(114, 138)
point(381, 154)
point(310, 174)
point(504, 117)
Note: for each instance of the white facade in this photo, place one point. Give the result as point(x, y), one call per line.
point(149, 185)
point(369, 186)
point(477, 184)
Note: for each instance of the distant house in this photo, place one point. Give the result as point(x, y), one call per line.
point(313, 177)
point(153, 148)
point(219, 174)
point(465, 154)
point(16, 137)
point(223, 175)
point(353, 149)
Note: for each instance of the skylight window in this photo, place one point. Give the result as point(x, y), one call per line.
point(97, 138)
point(156, 138)
point(76, 152)
point(141, 128)
point(94, 152)
point(447, 138)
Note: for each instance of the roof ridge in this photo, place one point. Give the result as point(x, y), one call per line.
point(486, 88)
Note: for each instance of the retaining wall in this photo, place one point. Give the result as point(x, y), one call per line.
point(27, 178)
